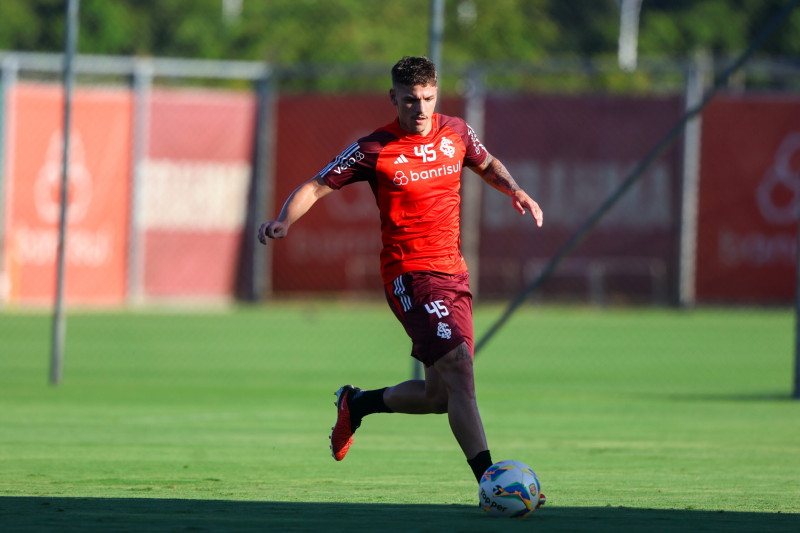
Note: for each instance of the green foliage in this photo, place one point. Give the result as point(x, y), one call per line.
point(354, 31)
point(682, 28)
point(37, 25)
point(21, 28)
point(335, 45)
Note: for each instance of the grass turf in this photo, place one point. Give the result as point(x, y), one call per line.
point(633, 419)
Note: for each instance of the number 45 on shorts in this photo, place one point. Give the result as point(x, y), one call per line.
point(437, 308)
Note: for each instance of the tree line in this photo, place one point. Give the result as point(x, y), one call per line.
point(291, 32)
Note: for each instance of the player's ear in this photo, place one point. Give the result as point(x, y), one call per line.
point(392, 97)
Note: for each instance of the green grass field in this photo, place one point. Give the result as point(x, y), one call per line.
point(634, 419)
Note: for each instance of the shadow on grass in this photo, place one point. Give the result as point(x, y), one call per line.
point(712, 397)
point(154, 515)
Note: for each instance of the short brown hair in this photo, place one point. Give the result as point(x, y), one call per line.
point(414, 71)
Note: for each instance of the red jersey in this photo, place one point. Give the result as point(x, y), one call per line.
point(416, 182)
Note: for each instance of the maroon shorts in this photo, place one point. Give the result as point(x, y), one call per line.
point(435, 310)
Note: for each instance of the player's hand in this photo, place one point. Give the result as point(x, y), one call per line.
point(522, 201)
point(272, 230)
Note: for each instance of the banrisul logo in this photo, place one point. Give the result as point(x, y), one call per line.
point(401, 178)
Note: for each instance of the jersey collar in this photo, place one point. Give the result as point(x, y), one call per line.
point(400, 133)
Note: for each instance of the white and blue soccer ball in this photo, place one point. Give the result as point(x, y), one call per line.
point(509, 488)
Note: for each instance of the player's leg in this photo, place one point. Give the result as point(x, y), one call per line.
point(409, 397)
point(440, 324)
point(418, 397)
point(449, 387)
point(455, 371)
point(413, 396)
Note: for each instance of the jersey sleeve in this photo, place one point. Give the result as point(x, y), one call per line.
point(475, 151)
point(356, 163)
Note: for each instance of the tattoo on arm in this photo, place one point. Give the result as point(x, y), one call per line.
point(496, 175)
point(462, 352)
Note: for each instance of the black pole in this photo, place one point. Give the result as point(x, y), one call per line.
point(796, 392)
point(59, 321)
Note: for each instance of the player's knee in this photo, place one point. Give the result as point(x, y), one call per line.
point(436, 397)
point(456, 371)
point(438, 402)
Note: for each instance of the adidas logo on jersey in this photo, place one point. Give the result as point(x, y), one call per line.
point(401, 159)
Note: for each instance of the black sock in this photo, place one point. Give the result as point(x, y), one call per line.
point(366, 402)
point(480, 464)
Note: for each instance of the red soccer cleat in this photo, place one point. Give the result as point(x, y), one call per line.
point(342, 434)
point(542, 501)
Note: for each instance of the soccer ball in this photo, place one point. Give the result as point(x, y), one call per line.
point(509, 488)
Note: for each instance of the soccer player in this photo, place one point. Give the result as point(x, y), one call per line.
point(414, 166)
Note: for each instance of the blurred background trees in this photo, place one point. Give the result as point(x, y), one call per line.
point(356, 31)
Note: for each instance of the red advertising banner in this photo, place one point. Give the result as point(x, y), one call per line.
point(98, 195)
point(196, 179)
point(570, 154)
point(749, 179)
point(335, 246)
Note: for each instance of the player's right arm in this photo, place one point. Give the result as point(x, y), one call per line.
point(298, 203)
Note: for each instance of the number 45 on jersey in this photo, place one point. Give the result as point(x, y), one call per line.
point(437, 308)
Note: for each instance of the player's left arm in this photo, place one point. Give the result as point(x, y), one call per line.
point(495, 174)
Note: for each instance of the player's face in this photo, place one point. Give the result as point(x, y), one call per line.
point(415, 106)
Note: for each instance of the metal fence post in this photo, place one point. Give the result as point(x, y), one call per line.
point(9, 69)
point(142, 82)
point(435, 38)
point(59, 319)
point(471, 185)
point(696, 79)
point(796, 391)
point(259, 284)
